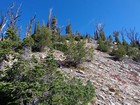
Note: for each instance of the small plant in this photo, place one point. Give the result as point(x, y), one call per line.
point(28, 41)
point(137, 58)
point(132, 52)
point(60, 46)
point(42, 38)
point(119, 52)
point(103, 46)
point(89, 54)
point(75, 53)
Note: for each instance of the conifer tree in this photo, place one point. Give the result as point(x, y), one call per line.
point(68, 29)
point(110, 39)
point(96, 36)
point(42, 38)
point(99, 31)
point(12, 34)
point(102, 36)
point(53, 24)
point(116, 34)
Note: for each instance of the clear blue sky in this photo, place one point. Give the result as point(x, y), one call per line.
point(83, 14)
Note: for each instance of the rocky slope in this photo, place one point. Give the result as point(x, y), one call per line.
point(116, 83)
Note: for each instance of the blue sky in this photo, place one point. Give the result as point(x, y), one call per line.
point(83, 14)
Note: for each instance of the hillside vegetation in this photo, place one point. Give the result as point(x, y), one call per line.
point(28, 79)
point(30, 73)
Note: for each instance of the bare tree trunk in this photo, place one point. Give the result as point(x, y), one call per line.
point(49, 19)
point(30, 26)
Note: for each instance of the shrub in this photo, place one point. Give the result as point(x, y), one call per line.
point(12, 34)
point(28, 41)
point(119, 52)
point(42, 39)
point(60, 46)
point(132, 51)
point(103, 46)
point(76, 53)
point(102, 36)
point(137, 58)
point(28, 82)
point(21, 84)
point(72, 92)
point(8, 47)
point(89, 54)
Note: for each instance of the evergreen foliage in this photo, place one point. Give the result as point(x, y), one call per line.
point(12, 34)
point(103, 45)
point(119, 53)
point(68, 29)
point(38, 82)
point(116, 35)
point(28, 41)
point(102, 36)
point(42, 38)
point(137, 57)
point(110, 39)
point(76, 52)
point(53, 24)
point(29, 82)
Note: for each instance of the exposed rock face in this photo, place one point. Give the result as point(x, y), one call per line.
point(116, 83)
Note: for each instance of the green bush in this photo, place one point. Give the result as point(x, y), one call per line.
point(60, 46)
point(21, 84)
point(28, 41)
point(103, 46)
point(102, 36)
point(12, 34)
point(42, 39)
point(132, 52)
point(8, 47)
point(119, 53)
point(29, 82)
point(76, 53)
point(89, 54)
point(70, 92)
point(137, 58)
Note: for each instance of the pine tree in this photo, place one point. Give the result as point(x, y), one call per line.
point(102, 36)
point(116, 34)
point(42, 38)
point(68, 29)
point(96, 36)
point(12, 34)
point(110, 39)
point(53, 24)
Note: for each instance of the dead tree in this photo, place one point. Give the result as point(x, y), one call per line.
point(49, 19)
point(13, 16)
point(123, 34)
point(99, 29)
point(133, 37)
point(3, 23)
point(9, 19)
point(30, 26)
point(116, 36)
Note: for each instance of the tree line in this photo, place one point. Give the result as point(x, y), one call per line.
point(27, 80)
